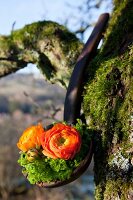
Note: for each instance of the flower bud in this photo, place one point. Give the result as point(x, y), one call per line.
point(32, 154)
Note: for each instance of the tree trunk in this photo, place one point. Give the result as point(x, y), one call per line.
point(108, 106)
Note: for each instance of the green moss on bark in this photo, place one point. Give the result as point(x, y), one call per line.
point(108, 104)
point(118, 189)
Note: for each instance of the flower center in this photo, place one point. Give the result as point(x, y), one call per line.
point(61, 141)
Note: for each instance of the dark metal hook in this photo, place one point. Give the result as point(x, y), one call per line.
point(74, 92)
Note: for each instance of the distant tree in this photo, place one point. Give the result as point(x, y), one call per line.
point(80, 23)
point(108, 95)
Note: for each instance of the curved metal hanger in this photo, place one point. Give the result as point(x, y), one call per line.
point(74, 92)
point(73, 98)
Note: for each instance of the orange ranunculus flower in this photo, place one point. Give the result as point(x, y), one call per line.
point(30, 138)
point(61, 141)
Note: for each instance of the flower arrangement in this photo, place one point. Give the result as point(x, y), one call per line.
point(53, 154)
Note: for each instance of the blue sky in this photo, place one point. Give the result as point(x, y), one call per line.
point(27, 11)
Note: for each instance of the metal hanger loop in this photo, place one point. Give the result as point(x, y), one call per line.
point(73, 98)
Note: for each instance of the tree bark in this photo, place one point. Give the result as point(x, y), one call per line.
point(108, 105)
point(47, 44)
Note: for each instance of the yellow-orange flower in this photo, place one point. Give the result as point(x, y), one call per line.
point(30, 138)
point(61, 141)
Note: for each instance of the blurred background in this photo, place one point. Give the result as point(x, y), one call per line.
point(27, 98)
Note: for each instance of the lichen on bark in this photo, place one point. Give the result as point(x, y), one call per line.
point(47, 44)
point(108, 104)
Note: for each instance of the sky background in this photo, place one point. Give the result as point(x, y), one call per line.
point(28, 11)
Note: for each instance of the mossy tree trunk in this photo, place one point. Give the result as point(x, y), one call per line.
point(108, 95)
point(108, 105)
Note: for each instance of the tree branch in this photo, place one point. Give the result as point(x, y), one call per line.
point(47, 44)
